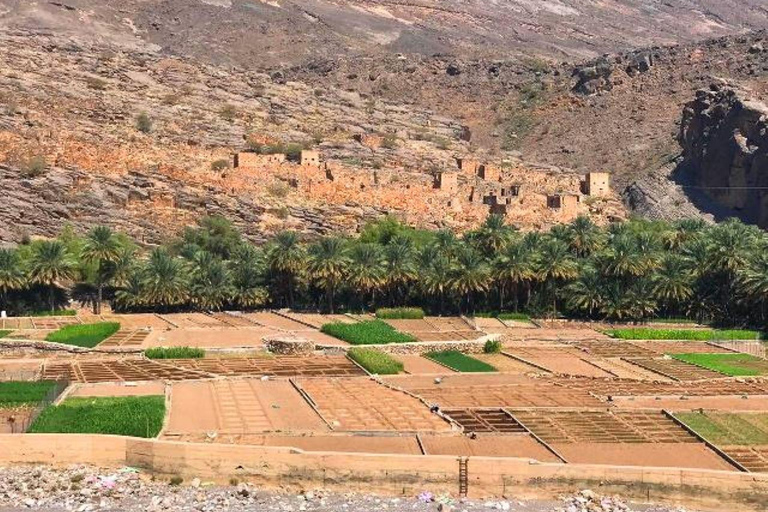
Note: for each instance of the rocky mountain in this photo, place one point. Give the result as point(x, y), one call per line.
point(552, 86)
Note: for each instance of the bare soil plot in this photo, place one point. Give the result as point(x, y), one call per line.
point(437, 329)
point(626, 387)
point(232, 319)
point(117, 370)
point(504, 363)
point(138, 321)
point(405, 444)
point(428, 336)
point(275, 321)
point(510, 395)
point(491, 421)
point(278, 366)
point(126, 339)
point(614, 349)
point(562, 360)
point(191, 320)
point(676, 455)
point(753, 458)
point(521, 446)
point(54, 323)
point(240, 406)
point(625, 370)
point(558, 335)
point(217, 337)
point(20, 370)
point(744, 403)
point(417, 365)
point(317, 320)
point(681, 347)
point(322, 339)
point(677, 370)
point(118, 389)
point(491, 325)
point(364, 405)
point(15, 420)
point(448, 323)
point(602, 427)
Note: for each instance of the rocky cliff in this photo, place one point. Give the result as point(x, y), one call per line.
point(724, 136)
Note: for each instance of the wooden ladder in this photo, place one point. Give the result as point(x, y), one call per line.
point(463, 477)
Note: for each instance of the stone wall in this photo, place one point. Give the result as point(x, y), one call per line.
point(390, 474)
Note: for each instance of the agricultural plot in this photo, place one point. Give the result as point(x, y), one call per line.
point(278, 366)
point(192, 320)
point(627, 387)
point(676, 369)
point(680, 347)
point(275, 321)
point(521, 446)
point(507, 364)
point(220, 337)
point(728, 428)
point(734, 365)
point(138, 321)
point(491, 421)
point(613, 349)
point(84, 335)
point(240, 406)
point(623, 369)
point(364, 405)
point(562, 360)
point(118, 370)
point(126, 339)
point(460, 362)
point(417, 365)
point(436, 329)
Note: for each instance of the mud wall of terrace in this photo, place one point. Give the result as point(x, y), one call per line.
point(390, 474)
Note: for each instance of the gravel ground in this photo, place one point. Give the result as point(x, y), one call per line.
point(87, 489)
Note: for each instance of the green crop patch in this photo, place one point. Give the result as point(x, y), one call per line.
point(400, 313)
point(55, 312)
point(16, 393)
point(460, 362)
point(84, 335)
point(372, 332)
point(376, 362)
point(646, 333)
point(3, 334)
point(136, 416)
point(175, 353)
point(728, 428)
point(734, 365)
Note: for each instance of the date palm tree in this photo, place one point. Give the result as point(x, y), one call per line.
point(399, 267)
point(165, 280)
point(673, 282)
point(11, 274)
point(492, 236)
point(247, 270)
point(555, 265)
point(515, 265)
point(587, 292)
point(328, 266)
point(102, 248)
point(287, 259)
point(471, 274)
point(584, 237)
point(211, 286)
point(51, 265)
point(435, 275)
point(366, 270)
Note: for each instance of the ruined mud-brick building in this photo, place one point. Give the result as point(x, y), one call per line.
point(462, 197)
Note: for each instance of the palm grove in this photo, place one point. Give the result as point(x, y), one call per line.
point(626, 271)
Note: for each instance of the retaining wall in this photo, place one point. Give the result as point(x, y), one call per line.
point(389, 474)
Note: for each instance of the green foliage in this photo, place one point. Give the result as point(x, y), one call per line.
point(728, 428)
point(57, 312)
point(376, 362)
point(143, 123)
point(126, 416)
point(15, 393)
point(646, 333)
point(174, 353)
point(460, 362)
point(373, 332)
point(492, 347)
point(3, 334)
point(733, 365)
point(220, 165)
point(84, 335)
point(399, 313)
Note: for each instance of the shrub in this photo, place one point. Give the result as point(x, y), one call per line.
point(175, 353)
point(228, 112)
point(373, 332)
point(220, 165)
point(645, 333)
point(460, 362)
point(14, 393)
point(278, 189)
point(34, 166)
point(376, 362)
point(389, 141)
point(97, 84)
point(400, 313)
point(176, 480)
point(84, 335)
point(137, 416)
point(143, 123)
point(492, 347)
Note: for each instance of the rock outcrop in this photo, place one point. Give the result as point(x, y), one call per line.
point(724, 136)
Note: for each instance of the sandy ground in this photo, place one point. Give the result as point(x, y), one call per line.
point(518, 445)
point(691, 455)
point(118, 389)
point(417, 365)
point(240, 406)
point(219, 337)
point(359, 404)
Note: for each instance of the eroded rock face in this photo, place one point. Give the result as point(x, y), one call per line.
point(724, 136)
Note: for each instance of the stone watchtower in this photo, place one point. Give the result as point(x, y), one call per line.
point(597, 184)
point(310, 158)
